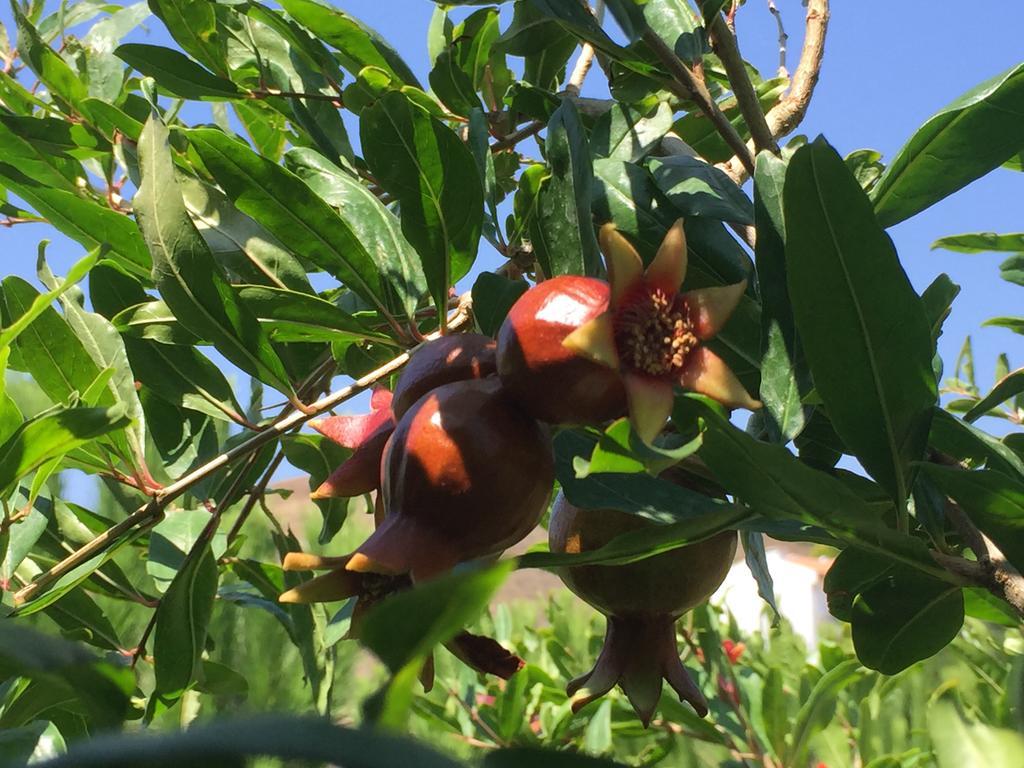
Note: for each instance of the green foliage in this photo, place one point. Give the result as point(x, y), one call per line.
point(233, 237)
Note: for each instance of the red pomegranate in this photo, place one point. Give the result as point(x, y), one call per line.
point(550, 381)
point(459, 357)
point(641, 600)
point(440, 361)
point(465, 475)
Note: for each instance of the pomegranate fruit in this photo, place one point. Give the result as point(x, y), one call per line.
point(465, 475)
point(460, 357)
point(439, 361)
point(641, 601)
point(550, 381)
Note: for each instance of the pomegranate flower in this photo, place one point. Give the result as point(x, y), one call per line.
point(652, 333)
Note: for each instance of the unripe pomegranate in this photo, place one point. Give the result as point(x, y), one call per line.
point(641, 600)
point(465, 475)
point(552, 382)
point(440, 361)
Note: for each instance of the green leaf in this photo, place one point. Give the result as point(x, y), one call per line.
point(982, 242)
point(785, 378)
point(563, 236)
point(968, 443)
point(172, 539)
point(376, 227)
point(50, 435)
point(290, 210)
point(636, 493)
point(193, 25)
point(318, 456)
point(431, 172)
point(709, 9)
point(1011, 385)
point(84, 220)
point(47, 348)
point(493, 297)
point(358, 45)
point(293, 316)
point(176, 73)
point(697, 188)
point(51, 135)
point(154, 320)
point(757, 561)
point(181, 623)
point(406, 626)
point(45, 168)
point(779, 486)
point(238, 242)
point(102, 688)
point(104, 345)
point(975, 134)
point(959, 741)
point(597, 736)
point(619, 450)
point(872, 360)
point(582, 23)
point(184, 270)
point(623, 133)
point(994, 501)
point(14, 325)
point(938, 301)
point(46, 63)
point(903, 618)
point(1012, 270)
point(306, 739)
point(819, 708)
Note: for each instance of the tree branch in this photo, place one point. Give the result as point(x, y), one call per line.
point(783, 38)
point(687, 86)
point(727, 48)
point(152, 512)
point(785, 116)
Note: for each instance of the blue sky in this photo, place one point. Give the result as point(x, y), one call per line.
point(888, 67)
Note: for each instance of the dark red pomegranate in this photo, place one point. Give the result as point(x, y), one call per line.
point(465, 475)
point(459, 357)
point(440, 361)
point(641, 600)
point(552, 382)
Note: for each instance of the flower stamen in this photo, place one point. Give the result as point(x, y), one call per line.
point(653, 333)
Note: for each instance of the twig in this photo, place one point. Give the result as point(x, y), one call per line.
point(783, 38)
point(254, 496)
point(728, 51)
point(991, 570)
point(586, 58)
point(785, 116)
point(686, 86)
point(531, 129)
point(153, 511)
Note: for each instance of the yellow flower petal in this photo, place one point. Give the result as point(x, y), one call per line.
point(595, 340)
point(712, 307)
point(650, 404)
point(668, 270)
point(707, 374)
point(303, 561)
point(625, 268)
point(334, 585)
